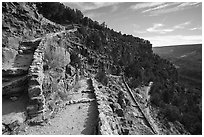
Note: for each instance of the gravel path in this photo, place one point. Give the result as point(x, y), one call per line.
point(74, 119)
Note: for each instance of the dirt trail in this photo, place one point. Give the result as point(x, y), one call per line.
point(74, 119)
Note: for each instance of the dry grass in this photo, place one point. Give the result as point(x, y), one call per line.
point(56, 56)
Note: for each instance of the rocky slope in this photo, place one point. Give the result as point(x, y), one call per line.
point(55, 70)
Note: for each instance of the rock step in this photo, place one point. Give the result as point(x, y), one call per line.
point(14, 90)
point(37, 120)
point(5, 79)
point(14, 72)
point(33, 43)
point(83, 100)
point(28, 47)
point(26, 50)
point(17, 85)
point(23, 61)
point(87, 91)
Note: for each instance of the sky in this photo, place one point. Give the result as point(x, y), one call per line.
point(162, 23)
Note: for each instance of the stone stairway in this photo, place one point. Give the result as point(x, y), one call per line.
point(14, 76)
point(22, 75)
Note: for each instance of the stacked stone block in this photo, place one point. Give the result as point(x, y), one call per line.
point(36, 107)
point(107, 124)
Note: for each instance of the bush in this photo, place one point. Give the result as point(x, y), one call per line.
point(156, 99)
point(62, 95)
point(56, 56)
point(192, 122)
point(75, 60)
point(171, 112)
point(101, 77)
point(82, 30)
point(134, 83)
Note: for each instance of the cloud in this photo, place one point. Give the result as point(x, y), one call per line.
point(196, 28)
point(86, 6)
point(146, 5)
point(182, 25)
point(160, 28)
point(157, 28)
point(173, 7)
point(157, 8)
point(174, 40)
point(188, 4)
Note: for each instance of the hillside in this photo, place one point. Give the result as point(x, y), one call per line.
point(63, 73)
point(188, 60)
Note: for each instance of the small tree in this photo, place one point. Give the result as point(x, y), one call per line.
point(171, 112)
point(101, 76)
point(75, 60)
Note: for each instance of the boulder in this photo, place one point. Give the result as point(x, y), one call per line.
point(121, 99)
point(36, 81)
point(13, 43)
point(8, 57)
point(3, 128)
point(34, 91)
point(40, 100)
point(36, 119)
point(32, 109)
point(14, 126)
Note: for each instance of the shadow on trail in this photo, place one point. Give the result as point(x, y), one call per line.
point(92, 120)
point(9, 106)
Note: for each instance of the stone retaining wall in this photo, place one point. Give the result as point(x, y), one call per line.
point(36, 106)
point(107, 124)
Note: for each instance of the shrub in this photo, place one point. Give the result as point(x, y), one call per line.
point(156, 99)
point(171, 112)
point(82, 30)
point(56, 56)
point(75, 60)
point(62, 95)
point(101, 77)
point(134, 83)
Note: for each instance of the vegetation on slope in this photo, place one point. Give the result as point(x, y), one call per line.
point(132, 56)
point(188, 60)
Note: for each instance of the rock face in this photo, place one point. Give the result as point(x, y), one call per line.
point(23, 54)
point(23, 59)
point(8, 56)
point(20, 23)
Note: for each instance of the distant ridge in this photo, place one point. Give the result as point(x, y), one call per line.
point(187, 58)
point(178, 45)
point(178, 50)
